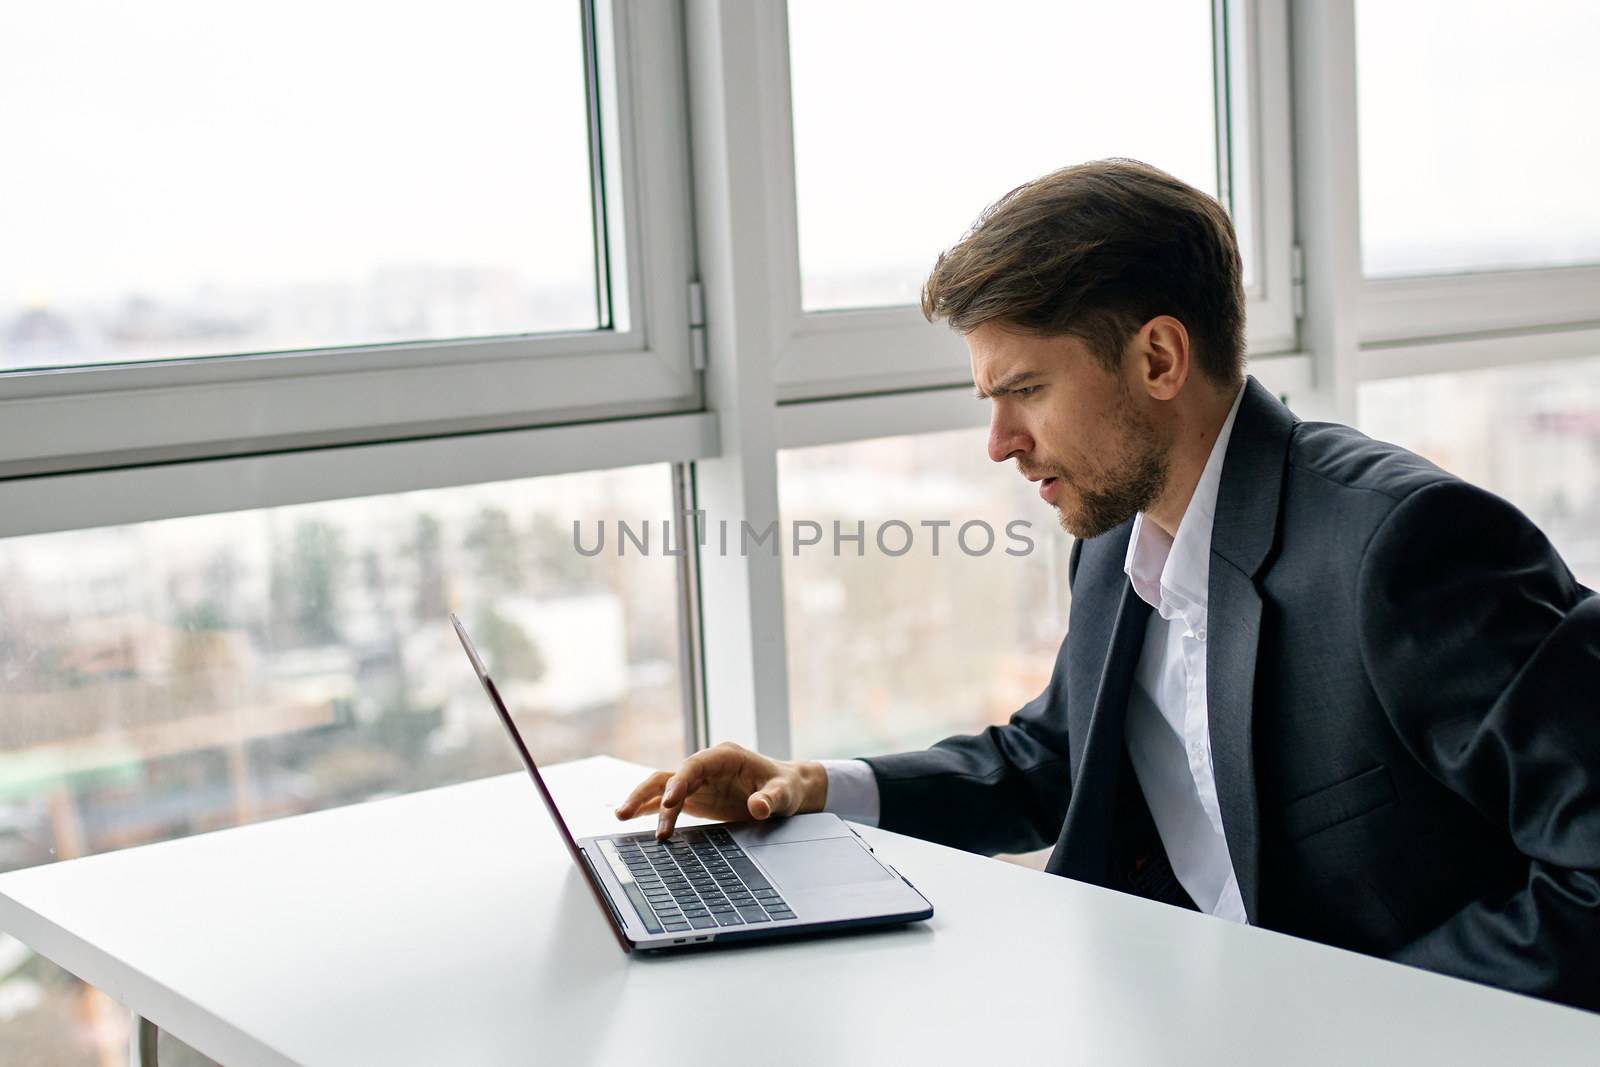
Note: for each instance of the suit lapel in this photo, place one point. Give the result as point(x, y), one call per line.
point(1084, 848)
point(1235, 611)
point(1242, 539)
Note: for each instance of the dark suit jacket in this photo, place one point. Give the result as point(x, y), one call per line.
point(1403, 683)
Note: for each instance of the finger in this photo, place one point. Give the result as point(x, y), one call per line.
point(686, 779)
point(772, 798)
point(666, 821)
point(646, 792)
point(649, 807)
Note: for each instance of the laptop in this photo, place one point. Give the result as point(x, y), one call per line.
point(724, 882)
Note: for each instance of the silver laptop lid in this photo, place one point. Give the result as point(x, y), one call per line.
point(538, 780)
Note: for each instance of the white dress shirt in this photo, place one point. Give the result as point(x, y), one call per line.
point(1168, 723)
point(1167, 728)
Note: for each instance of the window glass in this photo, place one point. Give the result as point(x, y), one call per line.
point(186, 178)
point(910, 116)
point(1529, 433)
point(169, 678)
point(1477, 147)
point(920, 630)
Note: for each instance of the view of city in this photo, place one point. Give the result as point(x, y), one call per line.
point(189, 179)
point(894, 653)
point(174, 677)
point(391, 304)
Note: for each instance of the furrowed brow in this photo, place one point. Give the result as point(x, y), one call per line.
point(1008, 383)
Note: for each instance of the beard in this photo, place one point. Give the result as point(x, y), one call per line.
point(1129, 486)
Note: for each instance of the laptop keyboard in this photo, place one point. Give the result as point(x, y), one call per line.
point(695, 880)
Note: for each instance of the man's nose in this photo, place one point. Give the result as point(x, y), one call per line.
point(1006, 437)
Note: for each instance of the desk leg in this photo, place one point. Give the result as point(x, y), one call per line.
point(142, 1042)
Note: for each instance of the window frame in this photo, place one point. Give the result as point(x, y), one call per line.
point(89, 417)
point(1465, 310)
point(824, 354)
point(1423, 307)
point(77, 454)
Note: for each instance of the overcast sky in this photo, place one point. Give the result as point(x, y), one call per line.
point(163, 144)
point(167, 145)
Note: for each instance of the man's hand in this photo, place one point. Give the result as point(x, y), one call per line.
point(728, 783)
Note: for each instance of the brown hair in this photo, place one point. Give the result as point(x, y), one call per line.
point(1096, 251)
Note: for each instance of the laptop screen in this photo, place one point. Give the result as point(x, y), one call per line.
point(538, 780)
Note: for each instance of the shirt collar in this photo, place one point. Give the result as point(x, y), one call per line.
point(1171, 574)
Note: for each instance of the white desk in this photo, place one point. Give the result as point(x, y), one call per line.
point(450, 928)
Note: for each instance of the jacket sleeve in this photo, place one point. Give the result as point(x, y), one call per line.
point(1002, 790)
point(1485, 654)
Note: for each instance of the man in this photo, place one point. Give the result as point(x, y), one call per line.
point(1311, 682)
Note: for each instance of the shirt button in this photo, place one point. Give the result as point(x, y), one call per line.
point(1200, 634)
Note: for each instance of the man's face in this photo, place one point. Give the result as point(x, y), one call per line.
point(1071, 424)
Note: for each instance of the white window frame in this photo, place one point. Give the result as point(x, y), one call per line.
point(1429, 310)
point(1461, 320)
point(779, 377)
point(126, 414)
point(825, 354)
point(260, 431)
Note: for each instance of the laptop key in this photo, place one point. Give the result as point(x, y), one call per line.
point(747, 870)
point(730, 918)
point(702, 922)
point(642, 906)
point(753, 915)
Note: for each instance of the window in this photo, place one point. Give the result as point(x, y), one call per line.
point(184, 179)
point(1529, 433)
point(911, 117)
point(173, 677)
point(1475, 151)
point(412, 222)
point(919, 630)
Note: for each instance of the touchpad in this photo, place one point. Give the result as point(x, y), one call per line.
point(812, 864)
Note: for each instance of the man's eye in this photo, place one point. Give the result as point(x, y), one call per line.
point(1029, 390)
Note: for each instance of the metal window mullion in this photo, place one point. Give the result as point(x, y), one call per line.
point(691, 651)
point(1327, 199)
point(1222, 82)
point(592, 90)
point(732, 47)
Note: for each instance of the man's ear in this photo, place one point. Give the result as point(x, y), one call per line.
point(1165, 357)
